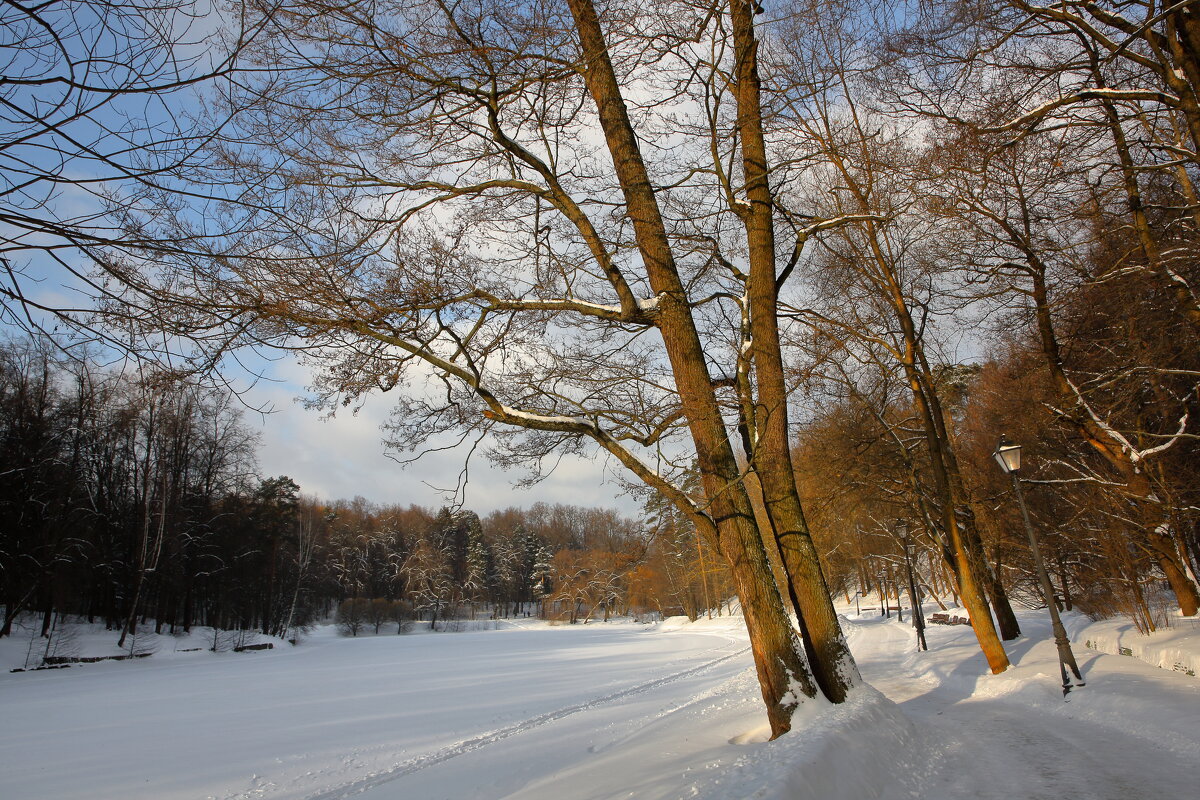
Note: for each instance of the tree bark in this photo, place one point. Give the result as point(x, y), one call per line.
point(828, 655)
point(781, 667)
point(965, 562)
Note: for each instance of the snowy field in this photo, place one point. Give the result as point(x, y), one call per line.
point(615, 710)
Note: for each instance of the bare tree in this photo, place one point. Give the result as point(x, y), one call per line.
point(472, 199)
point(93, 96)
point(1015, 199)
point(876, 289)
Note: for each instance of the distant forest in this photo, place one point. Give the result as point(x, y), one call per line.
point(133, 500)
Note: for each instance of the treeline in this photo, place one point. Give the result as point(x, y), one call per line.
point(1018, 187)
point(387, 565)
point(122, 494)
point(132, 499)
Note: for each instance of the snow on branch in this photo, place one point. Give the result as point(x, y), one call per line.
point(641, 313)
point(1134, 455)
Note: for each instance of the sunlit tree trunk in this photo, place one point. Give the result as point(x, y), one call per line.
point(781, 666)
point(829, 657)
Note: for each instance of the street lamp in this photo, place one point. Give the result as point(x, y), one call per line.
point(1008, 456)
point(918, 616)
point(884, 610)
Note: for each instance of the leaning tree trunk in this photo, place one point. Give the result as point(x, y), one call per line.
point(1162, 550)
point(829, 656)
point(777, 654)
point(911, 358)
point(1006, 619)
point(970, 591)
point(966, 569)
point(1139, 489)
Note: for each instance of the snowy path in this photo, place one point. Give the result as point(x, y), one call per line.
point(593, 713)
point(1130, 733)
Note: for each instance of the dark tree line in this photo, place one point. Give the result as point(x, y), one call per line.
point(132, 500)
point(117, 492)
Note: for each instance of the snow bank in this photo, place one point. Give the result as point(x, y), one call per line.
point(80, 642)
point(595, 712)
point(862, 749)
point(1176, 647)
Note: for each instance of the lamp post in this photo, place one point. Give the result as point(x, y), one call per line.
point(1008, 456)
point(918, 616)
point(884, 611)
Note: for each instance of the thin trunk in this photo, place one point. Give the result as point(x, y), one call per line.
point(928, 587)
point(1006, 619)
point(1066, 584)
point(130, 626)
point(1142, 610)
point(268, 616)
point(703, 575)
point(960, 539)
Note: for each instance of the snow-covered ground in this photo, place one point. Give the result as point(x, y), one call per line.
point(589, 712)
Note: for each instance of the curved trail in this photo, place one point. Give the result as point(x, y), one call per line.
point(985, 738)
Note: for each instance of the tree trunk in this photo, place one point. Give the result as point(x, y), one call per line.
point(1006, 619)
point(1162, 549)
point(1138, 486)
point(923, 386)
point(828, 655)
point(964, 560)
point(780, 665)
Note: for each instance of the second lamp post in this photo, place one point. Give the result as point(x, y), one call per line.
point(914, 597)
point(1008, 456)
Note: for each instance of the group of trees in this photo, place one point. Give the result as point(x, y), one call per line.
point(556, 562)
point(545, 561)
point(669, 232)
point(1051, 199)
point(132, 499)
point(123, 494)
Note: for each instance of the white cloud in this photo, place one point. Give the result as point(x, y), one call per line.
point(343, 457)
